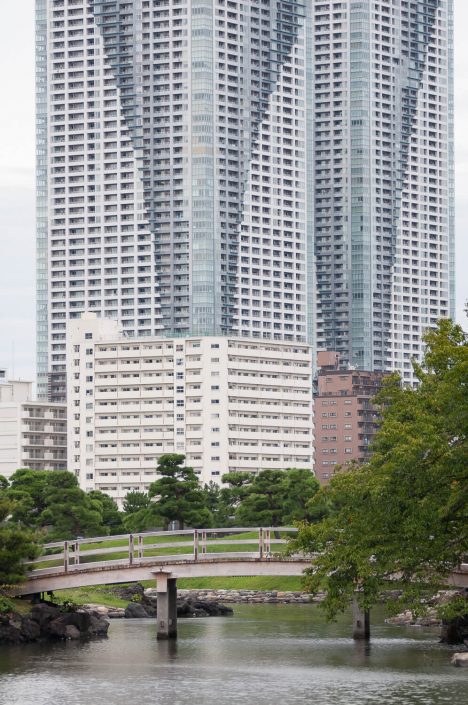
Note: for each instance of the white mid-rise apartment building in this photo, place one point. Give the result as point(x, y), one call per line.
point(32, 434)
point(226, 403)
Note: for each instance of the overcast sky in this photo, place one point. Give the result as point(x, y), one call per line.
point(17, 156)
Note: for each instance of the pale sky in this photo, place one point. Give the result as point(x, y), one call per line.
point(17, 157)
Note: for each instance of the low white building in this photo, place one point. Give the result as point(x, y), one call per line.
point(32, 434)
point(226, 403)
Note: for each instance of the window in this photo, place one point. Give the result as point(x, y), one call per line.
point(88, 336)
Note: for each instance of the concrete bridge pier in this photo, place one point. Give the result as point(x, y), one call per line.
point(167, 606)
point(361, 622)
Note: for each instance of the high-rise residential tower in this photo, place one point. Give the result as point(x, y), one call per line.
point(383, 175)
point(173, 163)
point(258, 168)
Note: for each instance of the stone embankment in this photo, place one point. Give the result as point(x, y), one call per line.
point(251, 596)
point(50, 622)
point(195, 603)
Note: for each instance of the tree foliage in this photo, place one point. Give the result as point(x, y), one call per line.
point(53, 502)
point(134, 501)
point(16, 545)
point(175, 496)
point(272, 497)
point(404, 513)
point(112, 518)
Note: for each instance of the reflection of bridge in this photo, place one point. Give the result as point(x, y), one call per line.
point(168, 555)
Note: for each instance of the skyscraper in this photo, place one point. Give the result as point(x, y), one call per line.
point(172, 170)
point(383, 175)
point(270, 169)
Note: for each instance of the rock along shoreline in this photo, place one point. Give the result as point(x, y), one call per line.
point(50, 622)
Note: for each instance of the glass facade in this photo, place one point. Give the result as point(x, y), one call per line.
point(279, 170)
point(383, 176)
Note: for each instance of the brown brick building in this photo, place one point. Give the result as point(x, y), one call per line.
point(345, 418)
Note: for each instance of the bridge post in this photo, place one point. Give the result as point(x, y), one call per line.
point(66, 556)
point(131, 549)
point(203, 549)
point(167, 606)
point(361, 622)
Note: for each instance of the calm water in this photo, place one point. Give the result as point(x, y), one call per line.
point(264, 655)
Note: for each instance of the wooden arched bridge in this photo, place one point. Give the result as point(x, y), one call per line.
point(167, 555)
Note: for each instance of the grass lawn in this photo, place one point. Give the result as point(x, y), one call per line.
point(103, 595)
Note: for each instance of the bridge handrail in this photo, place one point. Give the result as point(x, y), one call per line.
point(178, 532)
point(81, 552)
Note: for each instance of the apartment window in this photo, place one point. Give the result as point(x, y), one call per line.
point(88, 336)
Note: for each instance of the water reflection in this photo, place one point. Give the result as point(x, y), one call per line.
point(264, 655)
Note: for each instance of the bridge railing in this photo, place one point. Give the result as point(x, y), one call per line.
point(153, 546)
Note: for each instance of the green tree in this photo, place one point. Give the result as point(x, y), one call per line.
point(219, 501)
point(53, 502)
point(134, 501)
point(27, 490)
point(177, 495)
point(112, 518)
point(17, 544)
point(262, 504)
point(404, 513)
point(273, 497)
point(70, 512)
point(299, 488)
